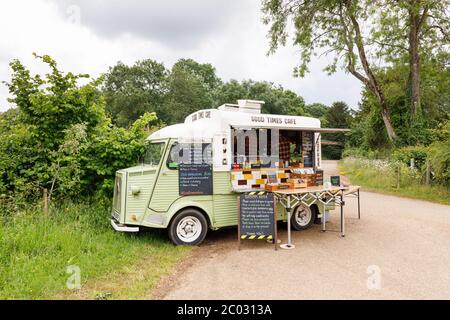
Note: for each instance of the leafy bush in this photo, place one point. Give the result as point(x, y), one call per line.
point(59, 137)
point(440, 155)
point(393, 177)
point(418, 153)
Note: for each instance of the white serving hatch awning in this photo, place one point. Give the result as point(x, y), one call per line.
point(317, 130)
point(330, 130)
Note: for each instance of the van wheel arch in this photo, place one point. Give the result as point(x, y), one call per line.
point(303, 216)
point(194, 208)
point(188, 226)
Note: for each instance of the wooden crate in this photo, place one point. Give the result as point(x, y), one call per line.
point(297, 183)
point(309, 178)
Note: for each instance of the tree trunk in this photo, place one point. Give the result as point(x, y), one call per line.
point(387, 121)
point(370, 80)
point(414, 58)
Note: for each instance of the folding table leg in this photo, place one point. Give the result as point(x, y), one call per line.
point(342, 217)
point(323, 220)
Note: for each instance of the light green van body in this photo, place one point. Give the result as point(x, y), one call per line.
point(148, 196)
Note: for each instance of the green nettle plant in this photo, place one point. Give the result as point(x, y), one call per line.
point(60, 138)
point(66, 168)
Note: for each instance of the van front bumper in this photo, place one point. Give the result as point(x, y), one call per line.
point(123, 228)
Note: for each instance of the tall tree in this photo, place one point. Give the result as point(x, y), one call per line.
point(355, 29)
point(130, 91)
point(318, 110)
point(338, 115)
point(191, 86)
point(435, 90)
point(412, 28)
point(277, 99)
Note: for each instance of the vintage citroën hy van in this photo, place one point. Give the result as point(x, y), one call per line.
point(244, 151)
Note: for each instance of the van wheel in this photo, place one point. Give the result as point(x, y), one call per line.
point(303, 217)
point(189, 227)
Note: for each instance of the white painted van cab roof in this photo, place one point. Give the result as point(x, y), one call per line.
point(205, 124)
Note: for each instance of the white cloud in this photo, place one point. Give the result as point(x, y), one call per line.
point(236, 45)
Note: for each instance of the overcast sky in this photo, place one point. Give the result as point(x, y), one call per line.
point(88, 36)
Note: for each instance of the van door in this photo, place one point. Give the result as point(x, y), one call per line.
point(166, 189)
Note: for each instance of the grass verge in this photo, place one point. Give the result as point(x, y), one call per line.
point(374, 176)
point(36, 252)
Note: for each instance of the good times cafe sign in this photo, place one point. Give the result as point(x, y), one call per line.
point(273, 120)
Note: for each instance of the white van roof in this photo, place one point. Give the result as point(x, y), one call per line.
point(204, 124)
point(183, 130)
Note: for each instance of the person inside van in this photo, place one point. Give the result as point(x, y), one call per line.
point(289, 140)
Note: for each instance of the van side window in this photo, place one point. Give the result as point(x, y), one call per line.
point(171, 159)
point(189, 153)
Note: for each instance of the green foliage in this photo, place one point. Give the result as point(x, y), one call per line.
point(131, 91)
point(277, 99)
point(147, 86)
point(319, 25)
point(368, 131)
point(60, 138)
point(365, 36)
point(191, 87)
point(66, 168)
point(440, 161)
point(382, 175)
point(33, 134)
point(418, 153)
point(111, 148)
point(391, 25)
point(337, 116)
point(52, 104)
point(439, 155)
point(318, 110)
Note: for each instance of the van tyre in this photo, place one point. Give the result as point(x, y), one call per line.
point(303, 217)
point(188, 227)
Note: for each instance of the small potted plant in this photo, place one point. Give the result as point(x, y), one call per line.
point(296, 160)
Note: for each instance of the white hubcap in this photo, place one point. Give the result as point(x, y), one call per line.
point(189, 229)
point(303, 215)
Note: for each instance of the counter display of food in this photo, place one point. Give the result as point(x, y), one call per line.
point(247, 180)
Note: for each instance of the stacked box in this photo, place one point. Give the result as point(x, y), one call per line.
point(319, 177)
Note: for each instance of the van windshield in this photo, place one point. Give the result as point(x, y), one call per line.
point(153, 153)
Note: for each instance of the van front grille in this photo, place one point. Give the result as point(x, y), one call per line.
point(117, 201)
point(115, 215)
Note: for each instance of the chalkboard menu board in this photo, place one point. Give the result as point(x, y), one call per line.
point(335, 180)
point(257, 217)
point(195, 179)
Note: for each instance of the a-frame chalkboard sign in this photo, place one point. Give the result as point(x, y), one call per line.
point(257, 218)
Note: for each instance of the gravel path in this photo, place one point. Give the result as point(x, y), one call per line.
point(400, 249)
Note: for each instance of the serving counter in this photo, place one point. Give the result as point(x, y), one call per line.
point(290, 198)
